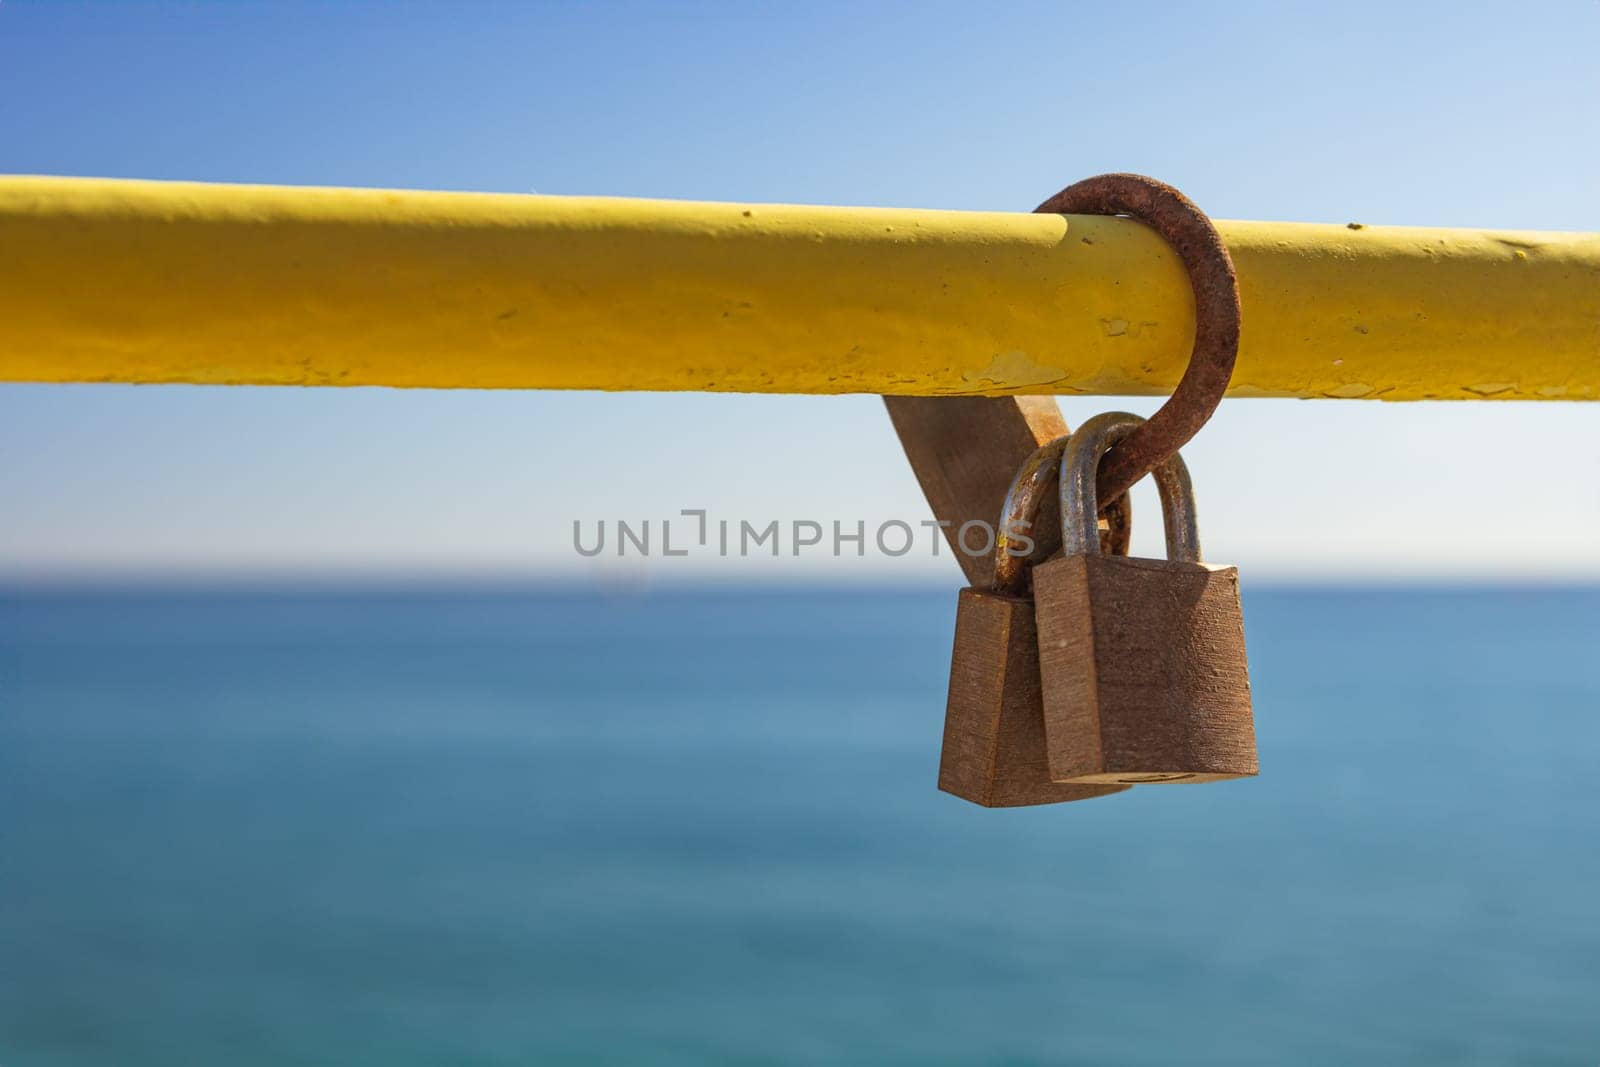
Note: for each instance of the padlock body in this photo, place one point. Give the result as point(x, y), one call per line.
point(1142, 671)
point(994, 738)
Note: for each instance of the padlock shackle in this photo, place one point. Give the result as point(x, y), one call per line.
point(1029, 489)
point(1080, 464)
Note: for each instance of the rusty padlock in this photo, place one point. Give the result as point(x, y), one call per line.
point(994, 740)
point(1142, 661)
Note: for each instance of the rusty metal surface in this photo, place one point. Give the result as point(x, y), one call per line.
point(1020, 514)
point(1028, 510)
point(1081, 459)
point(1216, 314)
point(964, 452)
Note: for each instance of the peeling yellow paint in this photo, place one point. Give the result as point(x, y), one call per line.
point(1012, 370)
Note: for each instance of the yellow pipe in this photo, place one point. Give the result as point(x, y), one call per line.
point(129, 281)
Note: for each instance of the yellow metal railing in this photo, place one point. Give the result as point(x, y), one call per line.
point(175, 282)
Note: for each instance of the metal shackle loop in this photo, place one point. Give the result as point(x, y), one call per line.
point(1029, 489)
point(1080, 465)
point(1217, 313)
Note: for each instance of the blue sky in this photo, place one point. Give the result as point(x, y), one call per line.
point(1444, 115)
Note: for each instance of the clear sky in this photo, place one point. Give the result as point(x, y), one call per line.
point(1438, 115)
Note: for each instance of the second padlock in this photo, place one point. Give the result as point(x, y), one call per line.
point(1142, 664)
point(994, 743)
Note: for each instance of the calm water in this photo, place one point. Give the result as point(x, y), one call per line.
point(408, 829)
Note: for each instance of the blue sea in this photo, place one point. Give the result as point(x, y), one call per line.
point(435, 827)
